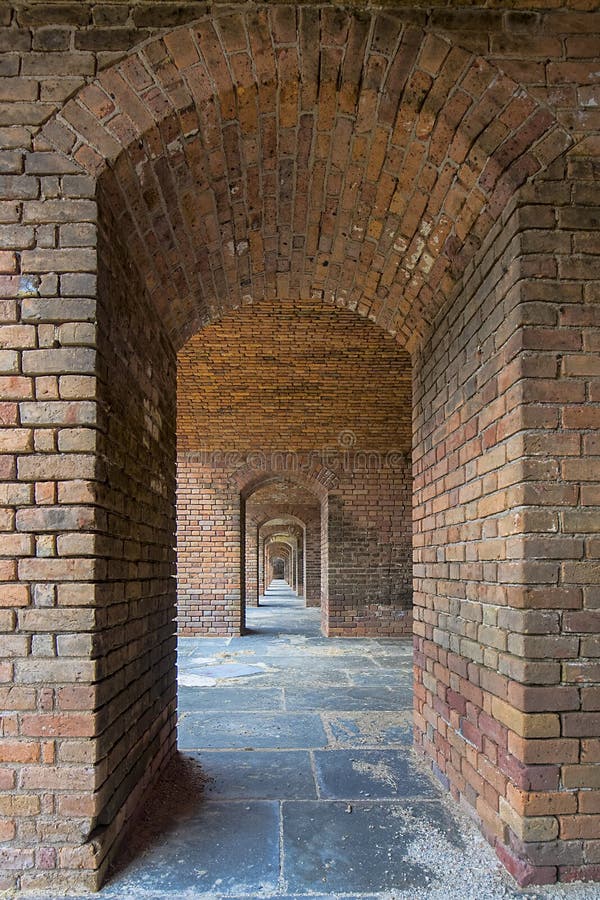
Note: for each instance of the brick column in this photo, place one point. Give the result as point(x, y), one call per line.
point(208, 548)
point(506, 561)
point(50, 556)
point(312, 532)
point(251, 569)
point(88, 497)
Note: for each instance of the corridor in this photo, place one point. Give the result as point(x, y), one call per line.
point(296, 778)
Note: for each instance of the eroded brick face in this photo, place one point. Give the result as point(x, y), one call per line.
point(398, 164)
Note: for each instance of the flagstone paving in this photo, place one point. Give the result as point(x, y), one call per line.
point(296, 779)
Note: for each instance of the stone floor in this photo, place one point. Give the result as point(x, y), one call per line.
point(296, 779)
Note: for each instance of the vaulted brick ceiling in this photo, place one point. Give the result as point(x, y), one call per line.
point(293, 375)
point(296, 152)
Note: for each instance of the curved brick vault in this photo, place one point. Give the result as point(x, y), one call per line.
point(283, 152)
point(288, 152)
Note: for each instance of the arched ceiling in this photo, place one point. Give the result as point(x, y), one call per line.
point(293, 375)
point(294, 152)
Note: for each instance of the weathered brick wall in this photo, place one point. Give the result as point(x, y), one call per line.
point(438, 140)
point(136, 691)
point(506, 568)
point(250, 587)
point(312, 559)
point(49, 472)
point(208, 549)
point(91, 491)
point(286, 376)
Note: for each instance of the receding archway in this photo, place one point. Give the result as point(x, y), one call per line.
point(435, 242)
point(275, 504)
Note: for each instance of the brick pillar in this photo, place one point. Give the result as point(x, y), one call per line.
point(208, 548)
point(506, 560)
point(251, 570)
point(49, 553)
point(312, 538)
point(300, 552)
point(261, 567)
point(87, 487)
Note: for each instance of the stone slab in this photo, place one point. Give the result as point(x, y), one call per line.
point(372, 698)
point(258, 774)
point(225, 698)
point(236, 731)
point(223, 848)
point(369, 730)
point(374, 774)
point(367, 849)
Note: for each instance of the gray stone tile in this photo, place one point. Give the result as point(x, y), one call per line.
point(223, 848)
point(304, 662)
point(258, 774)
point(329, 848)
point(228, 698)
point(369, 730)
point(237, 731)
point(187, 647)
point(344, 896)
point(389, 661)
point(398, 678)
point(374, 774)
point(287, 677)
point(372, 698)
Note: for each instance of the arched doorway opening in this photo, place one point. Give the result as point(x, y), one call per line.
point(282, 509)
point(203, 148)
point(278, 568)
point(293, 531)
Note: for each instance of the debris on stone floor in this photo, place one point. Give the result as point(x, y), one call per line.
point(187, 680)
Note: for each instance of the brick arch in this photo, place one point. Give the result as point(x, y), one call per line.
point(466, 377)
point(298, 152)
point(283, 520)
point(283, 550)
point(290, 534)
point(306, 519)
point(317, 478)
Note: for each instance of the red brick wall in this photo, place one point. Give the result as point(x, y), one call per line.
point(291, 376)
point(293, 381)
point(370, 549)
point(505, 592)
point(268, 204)
point(135, 496)
point(208, 549)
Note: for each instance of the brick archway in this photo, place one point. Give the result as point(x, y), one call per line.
point(285, 550)
point(308, 532)
point(264, 484)
point(182, 133)
point(453, 223)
